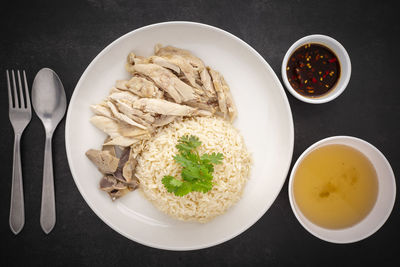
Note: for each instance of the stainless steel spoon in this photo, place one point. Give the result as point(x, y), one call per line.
point(49, 103)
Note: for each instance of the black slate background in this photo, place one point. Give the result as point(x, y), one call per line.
point(67, 35)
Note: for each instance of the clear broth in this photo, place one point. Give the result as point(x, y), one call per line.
point(335, 186)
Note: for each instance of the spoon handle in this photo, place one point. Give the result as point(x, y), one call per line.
point(48, 208)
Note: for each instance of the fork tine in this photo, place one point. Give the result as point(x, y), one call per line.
point(10, 101)
point(21, 93)
point(16, 103)
point(28, 100)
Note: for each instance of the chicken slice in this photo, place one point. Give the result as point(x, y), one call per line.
point(115, 131)
point(144, 88)
point(115, 90)
point(126, 107)
point(122, 141)
point(164, 120)
point(210, 107)
point(166, 80)
point(134, 59)
point(185, 67)
point(170, 51)
point(132, 131)
point(216, 78)
point(208, 86)
point(121, 84)
point(122, 117)
point(195, 62)
point(101, 110)
point(181, 65)
point(123, 95)
point(163, 62)
point(140, 86)
point(164, 107)
point(105, 162)
point(232, 110)
point(107, 125)
point(225, 100)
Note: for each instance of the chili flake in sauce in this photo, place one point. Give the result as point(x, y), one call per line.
point(313, 70)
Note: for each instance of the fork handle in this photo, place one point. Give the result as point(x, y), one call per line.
point(48, 207)
point(17, 213)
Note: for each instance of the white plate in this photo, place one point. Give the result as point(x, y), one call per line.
point(265, 120)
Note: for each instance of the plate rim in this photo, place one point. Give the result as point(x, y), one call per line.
point(152, 244)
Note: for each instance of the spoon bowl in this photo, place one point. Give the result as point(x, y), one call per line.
point(48, 98)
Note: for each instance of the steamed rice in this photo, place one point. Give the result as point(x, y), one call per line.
point(230, 177)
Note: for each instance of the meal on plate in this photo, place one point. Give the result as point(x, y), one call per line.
point(169, 133)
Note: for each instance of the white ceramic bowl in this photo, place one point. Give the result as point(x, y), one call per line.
point(345, 67)
point(382, 208)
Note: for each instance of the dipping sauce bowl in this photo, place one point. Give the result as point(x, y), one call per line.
point(317, 77)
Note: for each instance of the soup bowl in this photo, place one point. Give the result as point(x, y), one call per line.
point(381, 209)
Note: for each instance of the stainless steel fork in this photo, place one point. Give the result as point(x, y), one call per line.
point(19, 109)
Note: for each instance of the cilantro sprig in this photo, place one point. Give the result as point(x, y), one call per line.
point(197, 169)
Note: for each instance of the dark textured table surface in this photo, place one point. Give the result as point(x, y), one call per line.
point(67, 35)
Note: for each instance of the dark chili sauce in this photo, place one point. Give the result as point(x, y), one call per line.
point(313, 70)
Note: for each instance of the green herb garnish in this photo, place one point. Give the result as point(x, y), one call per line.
point(197, 170)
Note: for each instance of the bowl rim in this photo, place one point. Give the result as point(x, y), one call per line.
point(297, 212)
point(336, 91)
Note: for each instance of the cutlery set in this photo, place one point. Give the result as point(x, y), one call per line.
point(49, 103)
